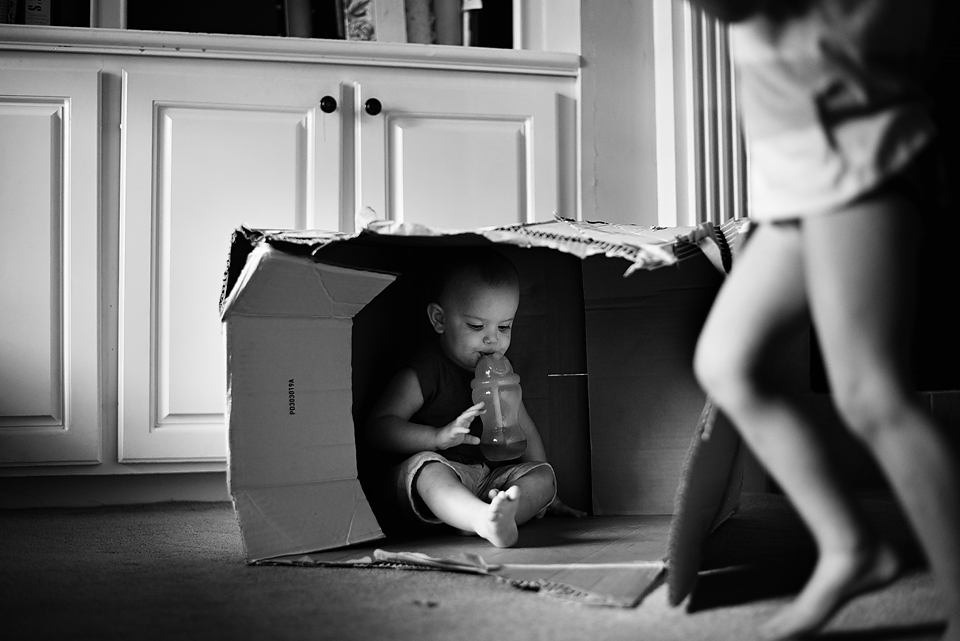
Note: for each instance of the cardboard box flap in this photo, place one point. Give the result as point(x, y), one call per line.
point(322, 291)
point(643, 247)
point(290, 401)
point(277, 521)
point(292, 452)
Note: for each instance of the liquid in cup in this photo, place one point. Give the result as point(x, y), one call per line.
point(497, 386)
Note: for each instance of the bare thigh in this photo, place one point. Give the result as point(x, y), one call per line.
point(762, 302)
point(860, 270)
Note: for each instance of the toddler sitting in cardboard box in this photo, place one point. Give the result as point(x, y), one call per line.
point(427, 415)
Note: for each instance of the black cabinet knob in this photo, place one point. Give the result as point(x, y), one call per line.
point(328, 104)
point(373, 106)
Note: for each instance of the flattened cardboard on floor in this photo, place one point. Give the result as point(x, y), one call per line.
point(317, 322)
point(605, 561)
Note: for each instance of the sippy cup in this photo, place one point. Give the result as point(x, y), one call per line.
point(498, 387)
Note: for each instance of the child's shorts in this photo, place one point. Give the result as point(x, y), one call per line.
point(479, 478)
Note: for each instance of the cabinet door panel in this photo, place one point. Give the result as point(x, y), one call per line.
point(204, 156)
point(460, 151)
point(205, 181)
point(477, 172)
point(49, 374)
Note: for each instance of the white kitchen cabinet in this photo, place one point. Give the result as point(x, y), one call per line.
point(49, 373)
point(192, 143)
point(207, 150)
point(461, 150)
point(204, 151)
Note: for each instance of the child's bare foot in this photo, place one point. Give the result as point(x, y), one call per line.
point(836, 579)
point(499, 525)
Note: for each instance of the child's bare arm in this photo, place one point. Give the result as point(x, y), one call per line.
point(389, 425)
point(458, 431)
point(535, 450)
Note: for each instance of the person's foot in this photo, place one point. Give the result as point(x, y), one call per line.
point(498, 525)
point(837, 578)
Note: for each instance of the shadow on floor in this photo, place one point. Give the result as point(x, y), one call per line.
point(765, 551)
point(934, 630)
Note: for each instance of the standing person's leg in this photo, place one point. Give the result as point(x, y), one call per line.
point(861, 274)
point(764, 301)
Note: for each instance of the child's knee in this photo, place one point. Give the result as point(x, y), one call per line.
point(707, 368)
point(539, 484)
point(433, 473)
point(869, 407)
point(723, 373)
point(545, 477)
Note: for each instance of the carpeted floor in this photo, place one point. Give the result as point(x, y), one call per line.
point(177, 571)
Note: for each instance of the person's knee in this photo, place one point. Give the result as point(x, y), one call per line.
point(725, 374)
point(870, 406)
point(431, 474)
point(540, 481)
point(541, 478)
point(707, 370)
point(547, 477)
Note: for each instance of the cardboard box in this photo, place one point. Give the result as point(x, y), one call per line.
point(317, 322)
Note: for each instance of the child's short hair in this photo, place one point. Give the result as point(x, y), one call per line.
point(488, 266)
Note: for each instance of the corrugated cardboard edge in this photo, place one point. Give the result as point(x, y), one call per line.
point(708, 494)
point(553, 580)
point(643, 247)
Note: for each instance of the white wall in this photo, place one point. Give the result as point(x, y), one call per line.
point(633, 113)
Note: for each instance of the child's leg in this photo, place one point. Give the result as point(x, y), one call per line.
point(763, 301)
point(860, 271)
point(454, 504)
point(537, 489)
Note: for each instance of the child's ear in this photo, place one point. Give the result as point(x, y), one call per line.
point(435, 314)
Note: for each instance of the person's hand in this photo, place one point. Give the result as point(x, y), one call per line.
point(559, 508)
point(458, 431)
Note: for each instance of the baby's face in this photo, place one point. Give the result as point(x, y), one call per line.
point(477, 320)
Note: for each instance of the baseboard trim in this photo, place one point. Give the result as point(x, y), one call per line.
point(25, 492)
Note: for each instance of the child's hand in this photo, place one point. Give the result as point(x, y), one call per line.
point(558, 508)
point(458, 431)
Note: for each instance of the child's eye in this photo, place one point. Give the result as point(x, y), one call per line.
point(475, 327)
point(505, 328)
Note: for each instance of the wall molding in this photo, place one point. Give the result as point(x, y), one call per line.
point(148, 44)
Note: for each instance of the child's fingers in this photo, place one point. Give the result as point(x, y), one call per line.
point(476, 409)
point(469, 414)
point(467, 437)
